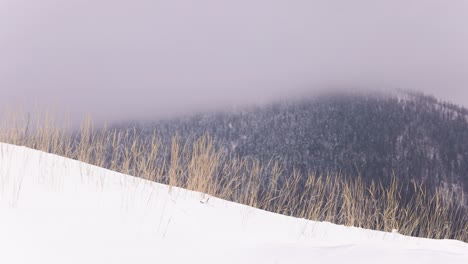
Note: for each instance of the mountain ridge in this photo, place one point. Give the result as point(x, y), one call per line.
point(405, 134)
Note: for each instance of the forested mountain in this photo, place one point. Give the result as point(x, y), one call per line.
point(409, 135)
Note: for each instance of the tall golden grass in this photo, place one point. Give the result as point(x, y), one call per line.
point(200, 166)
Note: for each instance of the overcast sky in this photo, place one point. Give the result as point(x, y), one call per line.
point(147, 58)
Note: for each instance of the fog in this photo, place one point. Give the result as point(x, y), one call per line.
point(118, 60)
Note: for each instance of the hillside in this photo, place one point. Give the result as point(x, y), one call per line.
point(57, 210)
point(408, 135)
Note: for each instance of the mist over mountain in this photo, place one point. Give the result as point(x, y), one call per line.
point(118, 60)
point(374, 135)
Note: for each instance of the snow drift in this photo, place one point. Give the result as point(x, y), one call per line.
point(57, 210)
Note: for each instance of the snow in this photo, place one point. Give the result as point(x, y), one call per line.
point(54, 210)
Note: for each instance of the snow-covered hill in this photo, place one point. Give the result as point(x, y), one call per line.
point(56, 210)
point(376, 135)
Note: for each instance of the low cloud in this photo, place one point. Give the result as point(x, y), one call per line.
point(146, 59)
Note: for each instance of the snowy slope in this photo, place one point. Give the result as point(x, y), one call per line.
point(55, 210)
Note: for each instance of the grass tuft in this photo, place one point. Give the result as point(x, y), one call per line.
point(409, 207)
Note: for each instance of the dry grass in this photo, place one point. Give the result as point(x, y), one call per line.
point(408, 207)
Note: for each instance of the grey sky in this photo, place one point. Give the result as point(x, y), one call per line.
point(142, 58)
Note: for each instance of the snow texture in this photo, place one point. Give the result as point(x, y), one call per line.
point(55, 210)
